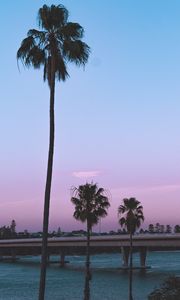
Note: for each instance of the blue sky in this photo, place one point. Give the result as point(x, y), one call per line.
point(117, 121)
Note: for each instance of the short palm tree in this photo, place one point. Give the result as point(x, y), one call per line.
point(91, 204)
point(131, 217)
point(52, 47)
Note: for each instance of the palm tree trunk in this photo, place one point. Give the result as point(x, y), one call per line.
point(88, 274)
point(47, 190)
point(130, 267)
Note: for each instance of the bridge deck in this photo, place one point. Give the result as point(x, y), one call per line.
point(98, 244)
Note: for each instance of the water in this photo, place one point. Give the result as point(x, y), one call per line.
point(19, 281)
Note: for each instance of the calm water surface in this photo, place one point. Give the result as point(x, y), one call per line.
point(19, 281)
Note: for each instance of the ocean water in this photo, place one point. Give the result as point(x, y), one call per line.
point(20, 280)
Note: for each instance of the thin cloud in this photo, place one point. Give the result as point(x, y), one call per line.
point(146, 189)
point(85, 174)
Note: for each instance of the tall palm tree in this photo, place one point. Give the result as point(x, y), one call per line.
point(131, 217)
point(91, 204)
point(52, 47)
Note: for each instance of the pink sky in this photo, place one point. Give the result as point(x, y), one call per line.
point(23, 201)
point(117, 120)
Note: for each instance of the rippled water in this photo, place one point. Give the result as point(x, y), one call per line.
point(19, 281)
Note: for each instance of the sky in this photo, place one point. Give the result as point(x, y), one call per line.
point(117, 119)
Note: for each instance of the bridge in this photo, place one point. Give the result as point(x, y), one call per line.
point(65, 246)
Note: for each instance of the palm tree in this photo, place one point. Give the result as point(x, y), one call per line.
point(131, 217)
point(91, 204)
point(52, 47)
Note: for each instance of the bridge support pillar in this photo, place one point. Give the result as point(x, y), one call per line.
point(1, 257)
point(62, 260)
point(143, 254)
point(125, 256)
point(13, 255)
point(48, 259)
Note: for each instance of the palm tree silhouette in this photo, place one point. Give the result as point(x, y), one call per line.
point(91, 204)
point(131, 217)
point(57, 43)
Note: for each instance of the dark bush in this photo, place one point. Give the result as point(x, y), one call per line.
point(170, 290)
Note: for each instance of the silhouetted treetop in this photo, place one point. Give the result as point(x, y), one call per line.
point(58, 39)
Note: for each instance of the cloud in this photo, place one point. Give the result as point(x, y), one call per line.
point(86, 174)
point(146, 189)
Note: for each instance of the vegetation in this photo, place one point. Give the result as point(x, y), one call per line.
point(131, 217)
point(170, 290)
point(177, 228)
point(8, 232)
point(13, 228)
point(91, 204)
point(57, 43)
point(160, 228)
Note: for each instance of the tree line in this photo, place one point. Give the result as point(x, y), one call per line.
point(10, 232)
point(161, 228)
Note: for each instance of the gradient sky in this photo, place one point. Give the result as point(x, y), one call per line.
point(117, 121)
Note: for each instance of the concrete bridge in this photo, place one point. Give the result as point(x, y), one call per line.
point(64, 246)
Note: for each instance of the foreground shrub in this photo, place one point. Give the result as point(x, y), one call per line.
point(170, 290)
